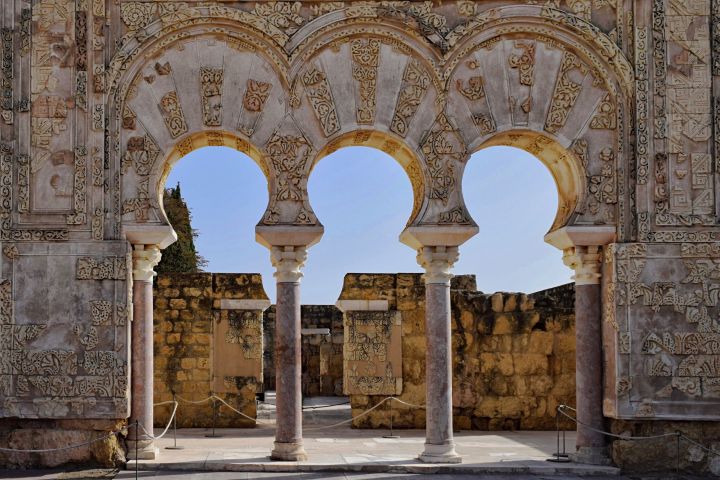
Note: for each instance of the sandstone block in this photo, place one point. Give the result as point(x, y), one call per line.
point(178, 303)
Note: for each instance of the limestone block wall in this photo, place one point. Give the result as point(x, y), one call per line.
point(204, 344)
point(513, 354)
point(322, 356)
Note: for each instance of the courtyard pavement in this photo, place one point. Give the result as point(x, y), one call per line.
point(341, 449)
point(343, 453)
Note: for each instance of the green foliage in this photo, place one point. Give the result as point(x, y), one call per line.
point(181, 256)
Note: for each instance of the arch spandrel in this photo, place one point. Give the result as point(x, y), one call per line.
point(346, 81)
point(203, 89)
point(513, 85)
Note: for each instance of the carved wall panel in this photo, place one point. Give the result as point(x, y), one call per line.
point(660, 330)
point(237, 335)
point(372, 353)
point(64, 359)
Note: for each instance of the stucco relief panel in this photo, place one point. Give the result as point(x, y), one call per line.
point(661, 331)
point(62, 359)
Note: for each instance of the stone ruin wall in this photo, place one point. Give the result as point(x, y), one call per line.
point(513, 354)
point(204, 344)
point(322, 356)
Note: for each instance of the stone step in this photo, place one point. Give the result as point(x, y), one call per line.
point(522, 467)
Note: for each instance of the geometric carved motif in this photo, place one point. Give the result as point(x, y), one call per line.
point(211, 80)
point(173, 114)
point(373, 353)
point(107, 268)
point(415, 83)
point(366, 58)
point(442, 148)
point(318, 92)
point(565, 94)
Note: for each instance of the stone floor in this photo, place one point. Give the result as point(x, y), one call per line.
point(343, 449)
point(180, 475)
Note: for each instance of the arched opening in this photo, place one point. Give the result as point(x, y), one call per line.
point(523, 337)
point(364, 198)
point(514, 198)
point(207, 340)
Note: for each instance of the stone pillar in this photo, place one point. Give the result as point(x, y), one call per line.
point(585, 261)
point(288, 433)
point(439, 443)
point(144, 257)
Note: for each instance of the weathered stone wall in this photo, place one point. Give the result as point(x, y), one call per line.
point(189, 312)
point(322, 356)
point(513, 354)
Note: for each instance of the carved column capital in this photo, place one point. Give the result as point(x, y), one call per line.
point(438, 262)
point(288, 261)
point(145, 258)
point(585, 261)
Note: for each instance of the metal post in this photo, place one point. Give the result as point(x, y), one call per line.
point(677, 456)
point(391, 421)
point(174, 445)
point(557, 456)
point(137, 427)
point(215, 412)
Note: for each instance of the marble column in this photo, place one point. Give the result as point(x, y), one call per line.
point(144, 257)
point(439, 442)
point(288, 387)
point(591, 446)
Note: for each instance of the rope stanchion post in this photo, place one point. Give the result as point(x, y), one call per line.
point(557, 456)
point(392, 414)
point(214, 418)
point(137, 429)
point(174, 446)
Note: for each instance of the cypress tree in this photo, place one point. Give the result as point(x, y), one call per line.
point(181, 256)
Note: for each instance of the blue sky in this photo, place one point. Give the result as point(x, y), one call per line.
point(363, 198)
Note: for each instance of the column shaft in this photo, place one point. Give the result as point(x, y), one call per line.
point(288, 373)
point(288, 387)
point(588, 364)
point(439, 443)
point(438, 369)
point(145, 257)
point(142, 358)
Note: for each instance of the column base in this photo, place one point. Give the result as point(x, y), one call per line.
point(146, 450)
point(288, 452)
point(591, 456)
point(440, 454)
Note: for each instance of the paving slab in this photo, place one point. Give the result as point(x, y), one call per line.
point(342, 449)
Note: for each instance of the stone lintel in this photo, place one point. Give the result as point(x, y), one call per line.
point(437, 235)
point(288, 235)
point(160, 235)
point(244, 304)
point(363, 305)
point(582, 235)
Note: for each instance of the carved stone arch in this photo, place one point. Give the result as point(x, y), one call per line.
point(168, 98)
point(587, 40)
point(395, 147)
point(381, 80)
point(574, 106)
point(153, 27)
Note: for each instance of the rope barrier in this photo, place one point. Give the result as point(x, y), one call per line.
point(324, 427)
point(678, 435)
point(167, 427)
point(614, 435)
point(71, 447)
